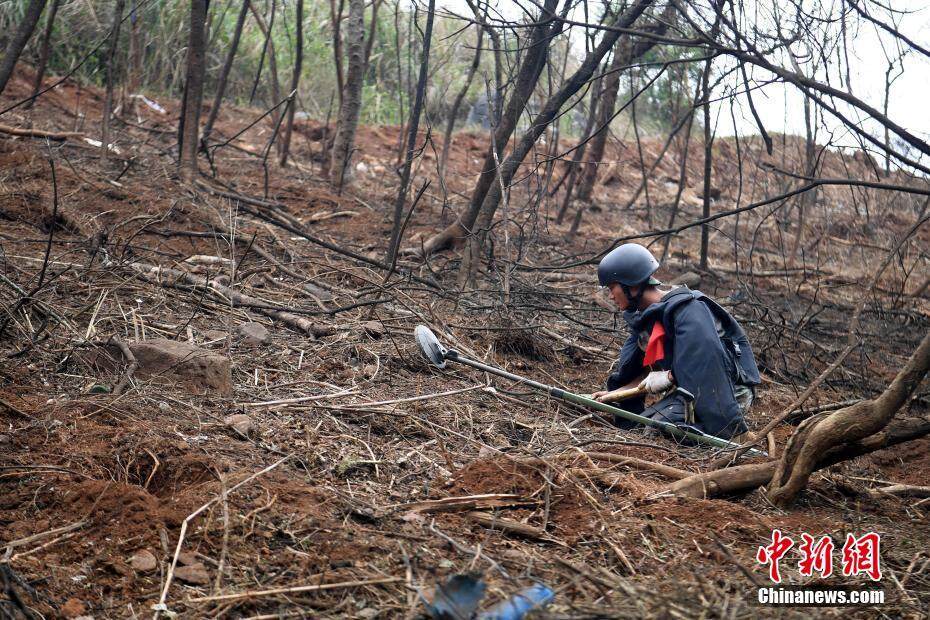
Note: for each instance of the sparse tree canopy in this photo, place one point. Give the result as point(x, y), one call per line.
point(223, 223)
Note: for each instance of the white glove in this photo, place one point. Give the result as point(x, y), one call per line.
point(657, 381)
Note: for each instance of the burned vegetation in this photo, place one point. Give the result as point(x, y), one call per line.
point(212, 400)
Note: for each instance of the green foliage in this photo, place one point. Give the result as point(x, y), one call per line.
point(161, 28)
point(660, 107)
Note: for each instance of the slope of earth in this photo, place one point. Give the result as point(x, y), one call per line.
point(288, 462)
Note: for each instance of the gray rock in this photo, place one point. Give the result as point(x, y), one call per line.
point(188, 558)
point(202, 371)
point(194, 574)
point(253, 334)
point(689, 279)
point(374, 329)
point(143, 561)
point(240, 423)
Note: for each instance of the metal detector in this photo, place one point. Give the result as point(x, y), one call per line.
point(438, 355)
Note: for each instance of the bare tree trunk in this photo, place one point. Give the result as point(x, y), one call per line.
point(413, 129)
point(400, 77)
point(821, 433)
point(336, 15)
point(549, 111)
point(457, 103)
point(15, 47)
point(44, 52)
point(111, 71)
point(683, 170)
point(606, 106)
point(623, 56)
point(372, 31)
point(295, 82)
point(224, 73)
point(268, 50)
point(193, 90)
point(708, 163)
point(807, 198)
point(134, 69)
point(344, 141)
point(571, 175)
point(534, 59)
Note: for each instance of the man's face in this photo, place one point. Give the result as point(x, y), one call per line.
point(618, 296)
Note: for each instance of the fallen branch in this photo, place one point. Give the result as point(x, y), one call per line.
point(744, 478)
point(294, 590)
point(635, 463)
point(40, 133)
point(133, 365)
point(510, 526)
point(468, 502)
point(819, 434)
point(905, 490)
point(53, 532)
point(153, 273)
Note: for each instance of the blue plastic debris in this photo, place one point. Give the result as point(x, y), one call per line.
point(459, 597)
point(520, 604)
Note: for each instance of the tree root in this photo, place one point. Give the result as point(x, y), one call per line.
point(818, 435)
point(745, 478)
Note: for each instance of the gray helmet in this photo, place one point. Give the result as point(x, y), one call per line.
point(629, 265)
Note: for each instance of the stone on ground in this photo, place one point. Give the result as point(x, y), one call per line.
point(253, 334)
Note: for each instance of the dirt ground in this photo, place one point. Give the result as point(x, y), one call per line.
point(319, 505)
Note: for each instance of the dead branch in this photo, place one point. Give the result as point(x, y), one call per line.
point(905, 490)
point(635, 463)
point(819, 434)
point(510, 526)
point(471, 502)
point(744, 478)
point(133, 365)
point(155, 274)
point(41, 133)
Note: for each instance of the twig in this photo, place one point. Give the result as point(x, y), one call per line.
point(161, 606)
point(294, 590)
point(418, 398)
point(133, 365)
point(39, 133)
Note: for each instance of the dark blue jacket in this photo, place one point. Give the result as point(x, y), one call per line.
point(704, 363)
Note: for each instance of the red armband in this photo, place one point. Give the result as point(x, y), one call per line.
point(655, 349)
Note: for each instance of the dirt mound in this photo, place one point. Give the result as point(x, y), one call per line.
point(124, 507)
point(350, 424)
point(907, 464)
point(495, 475)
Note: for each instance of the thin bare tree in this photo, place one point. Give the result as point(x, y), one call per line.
point(549, 111)
point(295, 82)
point(111, 76)
point(44, 52)
point(350, 109)
point(457, 103)
point(412, 130)
point(227, 67)
point(19, 39)
point(189, 128)
point(534, 57)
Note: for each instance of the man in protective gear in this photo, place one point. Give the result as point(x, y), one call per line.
point(678, 337)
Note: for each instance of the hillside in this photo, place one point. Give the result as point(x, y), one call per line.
point(310, 440)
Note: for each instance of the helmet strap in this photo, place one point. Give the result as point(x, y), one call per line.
point(634, 299)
